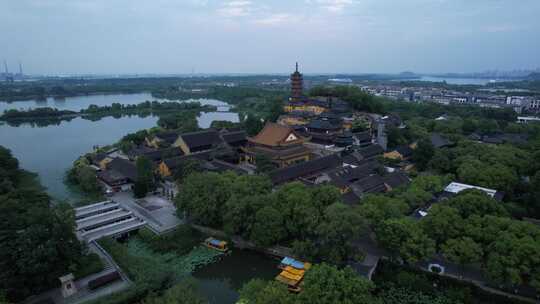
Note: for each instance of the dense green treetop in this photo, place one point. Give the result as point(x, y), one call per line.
point(37, 239)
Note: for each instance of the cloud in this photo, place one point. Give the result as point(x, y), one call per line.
point(334, 6)
point(274, 19)
point(501, 28)
point(235, 8)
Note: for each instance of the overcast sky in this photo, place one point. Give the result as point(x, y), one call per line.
point(268, 36)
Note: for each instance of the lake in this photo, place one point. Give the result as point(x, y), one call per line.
point(78, 103)
point(50, 151)
point(461, 81)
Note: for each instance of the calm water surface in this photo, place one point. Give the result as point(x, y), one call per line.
point(461, 81)
point(50, 151)
point(220, 281)
point(78, 103)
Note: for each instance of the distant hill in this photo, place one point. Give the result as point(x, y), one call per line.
point(534, 76)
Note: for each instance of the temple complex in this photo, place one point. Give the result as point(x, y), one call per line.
point(281, 144)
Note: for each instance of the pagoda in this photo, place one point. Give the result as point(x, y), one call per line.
point(297, 85)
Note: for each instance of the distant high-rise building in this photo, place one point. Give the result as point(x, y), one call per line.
point(297, 85)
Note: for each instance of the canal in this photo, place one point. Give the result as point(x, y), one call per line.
point(220, 281)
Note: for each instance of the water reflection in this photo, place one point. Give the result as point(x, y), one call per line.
point(50, 151)
point(221, 281)
point(78, 103)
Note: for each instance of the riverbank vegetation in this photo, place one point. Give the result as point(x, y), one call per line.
point(312, 221)
point(253, 101)
point(392, 284)
point(76, 86)
point(37, 239)
point(157, 263)
point(82, 176)
point(472, 230)
point(403, 284)
point(172, 115)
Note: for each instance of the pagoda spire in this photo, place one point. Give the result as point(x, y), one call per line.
point(297, 66)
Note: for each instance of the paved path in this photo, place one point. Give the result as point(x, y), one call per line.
point(159, 220)
point(84, 294)
point(369, 246)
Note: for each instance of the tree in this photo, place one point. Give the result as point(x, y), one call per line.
point(415, 197)
point(268, 227)
point(249, 193)
point(360, 125)
point(264, 164)
point(187, 167)
point(87, 179)
point(327, 284)
point(462, 251)
point(224, 124)
point(404, 237)
point(396, 137)
point(37, 239)
point(258, 291)
point(186, 292)
point(275, 109)
point(377, 208)
point(37, 242)
point(494, 176)
point(469, 126)
point(408, 296)
point(145, 177)
point(476, 202)
point(488, 126)
point(239, 215)
point(253, 125)
point(512, 259)
point(325, 196)
point(423, 153)
point(442, 223)
point(203, 196)
point(335, 232)
point(294, 201)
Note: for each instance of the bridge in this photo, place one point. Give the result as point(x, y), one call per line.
point(105, 219)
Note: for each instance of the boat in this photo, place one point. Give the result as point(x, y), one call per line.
point(290, 262)
point(216, 244)
point(292, 277)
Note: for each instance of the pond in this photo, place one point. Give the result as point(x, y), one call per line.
point(220, 281)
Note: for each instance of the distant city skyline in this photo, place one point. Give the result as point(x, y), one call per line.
point(70, 37)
